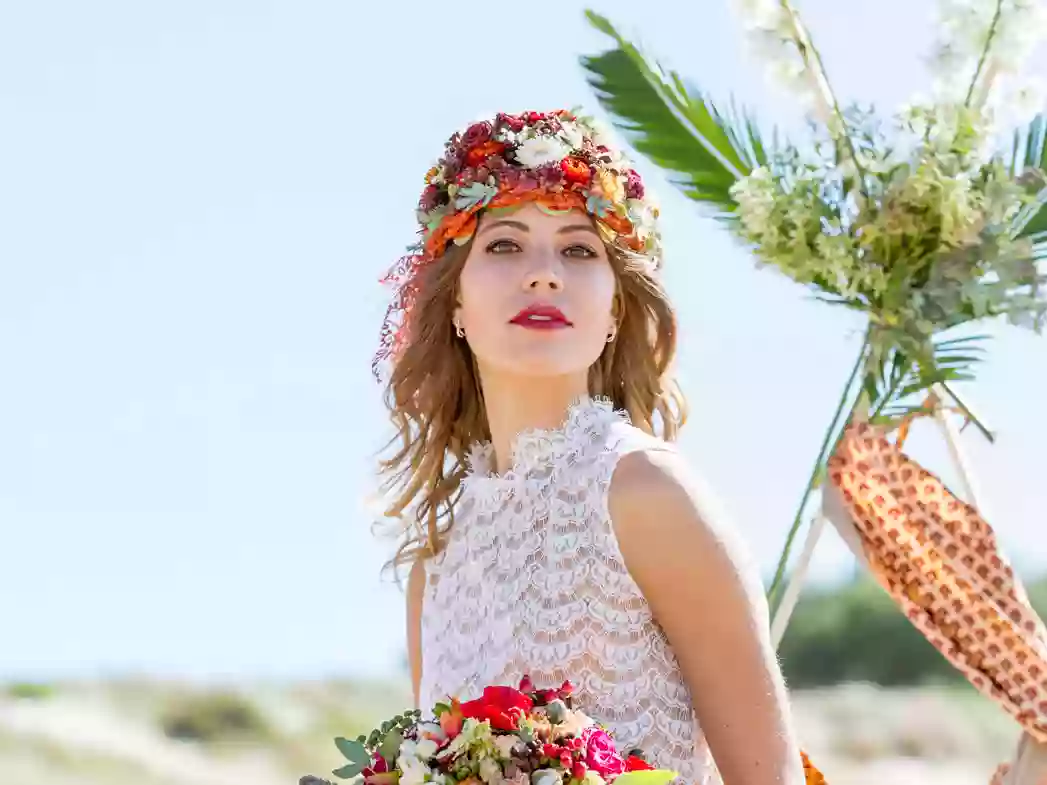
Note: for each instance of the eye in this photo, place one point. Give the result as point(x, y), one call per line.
point(503, 246)
point(580, 252)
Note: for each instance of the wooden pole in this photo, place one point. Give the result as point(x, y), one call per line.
point(796, 581)
point(1030, 763)
point(959, 458)
point(1030, 759)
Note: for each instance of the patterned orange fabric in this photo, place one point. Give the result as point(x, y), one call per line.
point(811, 775)
point(939, 560)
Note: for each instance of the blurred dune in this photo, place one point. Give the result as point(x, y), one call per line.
point(151, 732)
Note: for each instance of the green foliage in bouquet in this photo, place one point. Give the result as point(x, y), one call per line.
point(925, 221)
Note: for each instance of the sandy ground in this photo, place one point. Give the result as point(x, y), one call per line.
point(84, 735)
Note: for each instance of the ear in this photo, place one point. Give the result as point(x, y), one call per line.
point(617, 307)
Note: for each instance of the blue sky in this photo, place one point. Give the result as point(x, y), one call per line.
point(196, 201)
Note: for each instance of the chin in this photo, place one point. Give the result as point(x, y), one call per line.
point(539, 367)
point(539, 360)
point(536, 354)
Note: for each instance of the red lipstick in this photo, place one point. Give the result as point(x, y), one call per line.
point(541, 317)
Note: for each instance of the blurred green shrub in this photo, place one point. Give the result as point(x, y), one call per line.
point(24, 690)
point(855, 633)
point(213, 718)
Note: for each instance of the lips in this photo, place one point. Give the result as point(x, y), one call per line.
point(541, 317)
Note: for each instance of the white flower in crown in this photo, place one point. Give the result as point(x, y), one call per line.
point(573, 135)
point(601, 134)
point(541, 150)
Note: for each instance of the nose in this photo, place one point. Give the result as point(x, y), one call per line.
point(544, 275)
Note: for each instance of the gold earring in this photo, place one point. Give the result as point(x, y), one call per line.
point(458, 330)
point(612, 335)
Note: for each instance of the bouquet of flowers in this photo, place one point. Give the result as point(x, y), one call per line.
point(507, 736)
point(927, 221)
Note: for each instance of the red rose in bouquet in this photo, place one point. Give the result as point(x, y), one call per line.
point(503, 707)
point(636, 763)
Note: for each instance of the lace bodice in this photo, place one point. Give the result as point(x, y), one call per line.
point(532, 581)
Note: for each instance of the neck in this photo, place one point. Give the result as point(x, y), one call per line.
point(515, 404)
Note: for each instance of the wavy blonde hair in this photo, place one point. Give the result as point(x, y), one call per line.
point(436, 402)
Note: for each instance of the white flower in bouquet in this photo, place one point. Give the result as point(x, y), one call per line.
point(423, 749)
point(573, 725)
point(505, 745)
point(413, 771)
point(490, 772)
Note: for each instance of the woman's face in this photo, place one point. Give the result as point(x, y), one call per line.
point(536, 293)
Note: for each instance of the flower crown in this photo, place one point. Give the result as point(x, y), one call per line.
point(559, 160)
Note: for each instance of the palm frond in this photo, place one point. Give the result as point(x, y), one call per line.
point(1029, 148)
point(705, 149)
point(1028, 158)
point(900, 385)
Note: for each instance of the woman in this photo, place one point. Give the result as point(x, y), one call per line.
point(552, 530)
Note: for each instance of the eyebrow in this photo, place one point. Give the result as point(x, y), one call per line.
point(521, 226)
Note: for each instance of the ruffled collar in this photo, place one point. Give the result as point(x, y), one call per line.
point(542, 450)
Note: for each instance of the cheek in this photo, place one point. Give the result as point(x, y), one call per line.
point(482, 291)
point(592, 291)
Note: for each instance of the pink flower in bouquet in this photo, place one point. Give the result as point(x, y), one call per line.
point(600, 754)
point(378, 773)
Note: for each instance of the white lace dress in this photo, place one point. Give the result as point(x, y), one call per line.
point(532, 582)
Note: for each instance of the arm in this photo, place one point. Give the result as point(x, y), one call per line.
point(415, 592)
point(696, 579)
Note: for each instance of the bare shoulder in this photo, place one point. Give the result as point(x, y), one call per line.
point(703, 590)
point(657, 490)
point(665, 514)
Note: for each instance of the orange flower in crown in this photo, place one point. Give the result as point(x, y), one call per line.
point(559, 159)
